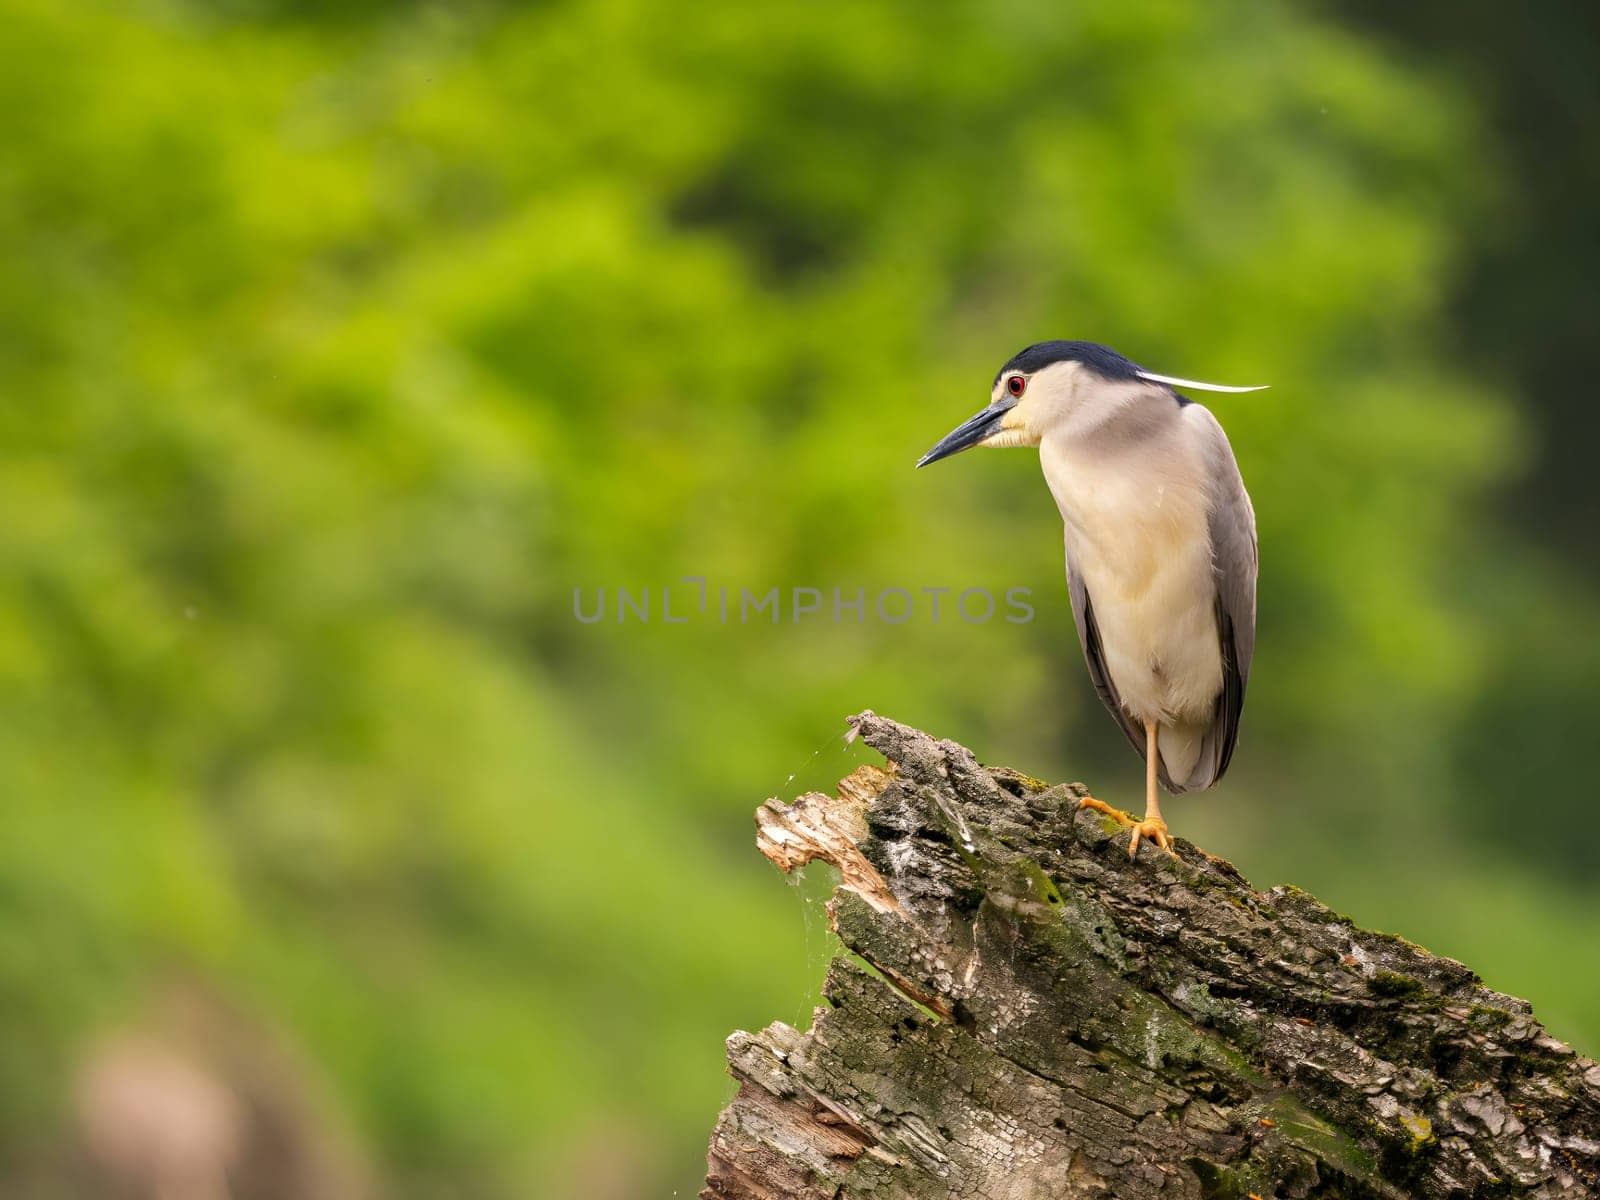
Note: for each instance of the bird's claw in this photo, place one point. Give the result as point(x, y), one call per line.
point(1152, 829)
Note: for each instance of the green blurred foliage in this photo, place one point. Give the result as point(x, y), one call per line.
point(338, 346)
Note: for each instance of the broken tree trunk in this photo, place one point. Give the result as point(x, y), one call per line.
point(1033, 1015)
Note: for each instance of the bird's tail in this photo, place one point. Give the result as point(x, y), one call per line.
point(1190, 758)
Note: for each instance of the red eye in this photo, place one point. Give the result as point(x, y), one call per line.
point(1016, 385)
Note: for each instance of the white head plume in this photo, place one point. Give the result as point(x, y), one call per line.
point(1197, 385)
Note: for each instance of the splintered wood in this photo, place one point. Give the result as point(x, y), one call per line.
point(830, 828)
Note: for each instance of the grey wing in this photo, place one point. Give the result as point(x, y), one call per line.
point(1234, 565)
point(1089, 642)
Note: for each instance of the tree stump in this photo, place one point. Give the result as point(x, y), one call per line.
point(1030, 1014)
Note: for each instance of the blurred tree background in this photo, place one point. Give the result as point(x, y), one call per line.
point(340, 343)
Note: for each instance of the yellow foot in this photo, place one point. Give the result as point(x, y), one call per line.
point(1152, 828)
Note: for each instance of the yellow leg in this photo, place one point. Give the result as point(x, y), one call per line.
point(1152, 827)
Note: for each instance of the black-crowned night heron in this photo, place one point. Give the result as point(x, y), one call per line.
point(1161, 550)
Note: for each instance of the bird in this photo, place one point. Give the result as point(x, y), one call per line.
point(1161, 551)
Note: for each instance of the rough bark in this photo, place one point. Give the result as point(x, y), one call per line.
point(1030, 1014)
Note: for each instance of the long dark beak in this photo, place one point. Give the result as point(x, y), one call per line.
point(969, 433)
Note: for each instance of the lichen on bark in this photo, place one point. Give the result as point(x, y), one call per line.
point(1038, 1016)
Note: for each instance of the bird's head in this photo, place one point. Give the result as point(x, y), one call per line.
point(1045, 384)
